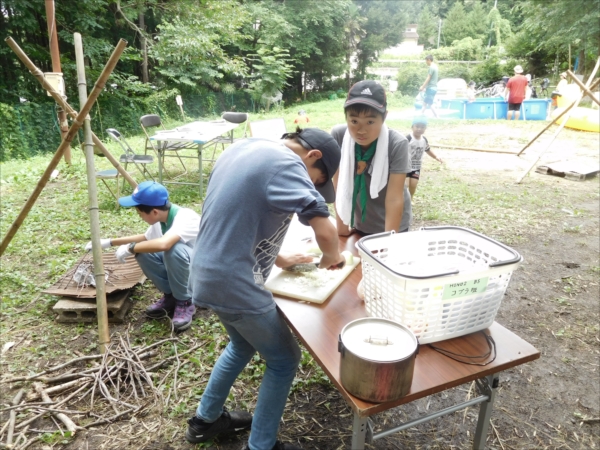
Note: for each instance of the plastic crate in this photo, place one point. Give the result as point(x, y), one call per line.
point(441, 282)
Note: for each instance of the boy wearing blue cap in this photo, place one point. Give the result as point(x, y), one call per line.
point(417, 145)
point(164, 252)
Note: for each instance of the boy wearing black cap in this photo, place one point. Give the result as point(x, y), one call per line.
point(163, 252)
point(254, 189)
point(370, 193)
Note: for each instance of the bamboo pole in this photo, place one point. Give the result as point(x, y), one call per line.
point(37, 73)
point(473, 149)
point(584, 87)
point(55, 57)
point(562, 125)
point(594, 84)
point(77, 122)
point(546, 127)
point(102, 311)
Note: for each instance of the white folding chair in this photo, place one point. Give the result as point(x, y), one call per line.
point(110, 174)
point(271, 129)
point(140, 161)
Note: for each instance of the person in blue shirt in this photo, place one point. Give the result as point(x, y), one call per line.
point(254, 190)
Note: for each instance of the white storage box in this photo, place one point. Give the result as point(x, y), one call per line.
point(441, 282)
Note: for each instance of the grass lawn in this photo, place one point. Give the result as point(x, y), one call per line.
point(549, 220)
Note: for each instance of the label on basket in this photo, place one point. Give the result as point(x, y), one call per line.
point(464, 288)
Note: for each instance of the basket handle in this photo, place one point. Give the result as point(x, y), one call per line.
point(360, 244)
point(516, 256)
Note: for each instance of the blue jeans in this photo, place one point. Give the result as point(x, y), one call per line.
point(269, 335)
point(169, 271)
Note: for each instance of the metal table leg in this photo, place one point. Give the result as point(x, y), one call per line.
point(200, 169)
point(161, 160)
point(359, 432)
point(487, 386)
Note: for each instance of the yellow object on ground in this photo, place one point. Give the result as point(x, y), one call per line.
point(585, 119)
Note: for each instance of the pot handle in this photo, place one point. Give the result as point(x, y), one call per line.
point(340, 345)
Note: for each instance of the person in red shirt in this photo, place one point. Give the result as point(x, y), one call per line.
point(515, 93)
point(302, 118)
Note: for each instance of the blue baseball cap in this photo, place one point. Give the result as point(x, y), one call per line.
point(149, 193)
point(421, 120)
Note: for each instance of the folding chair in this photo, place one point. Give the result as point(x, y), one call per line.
point(160, 150)
point(228, 138)
point(110, 174)
point(271, 129)
point(140, 161)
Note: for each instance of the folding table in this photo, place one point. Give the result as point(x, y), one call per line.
point(318, 327)
point(196, 134)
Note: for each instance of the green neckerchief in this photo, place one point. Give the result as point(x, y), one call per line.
point(172, 213)
point(360, 184)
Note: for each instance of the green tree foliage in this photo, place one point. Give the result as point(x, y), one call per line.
point(467, 49)
point(385, 23)
point(427, 28)
point(191, 47)
point(272, 70)
point(462, 22)
point(353, 33)
point(550, 26)
point(500, 29)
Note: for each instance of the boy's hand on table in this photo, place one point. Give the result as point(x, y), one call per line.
point(334, 262)
point(289, 259)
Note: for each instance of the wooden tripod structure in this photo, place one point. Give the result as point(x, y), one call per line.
point(78, 120)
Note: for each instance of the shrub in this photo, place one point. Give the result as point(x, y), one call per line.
point(410, 77)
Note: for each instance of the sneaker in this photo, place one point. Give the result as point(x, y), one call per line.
point(162, 308)
point(229, 422)
point(183, 315)
point(279, 446)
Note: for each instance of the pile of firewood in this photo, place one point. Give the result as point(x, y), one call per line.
point(121, 383)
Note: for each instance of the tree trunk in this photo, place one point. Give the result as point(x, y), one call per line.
point(142, 23)
point(581, 65)
point(348, 71)
point(304, 85)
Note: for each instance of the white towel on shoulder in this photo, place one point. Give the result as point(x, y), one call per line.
point(379, 173)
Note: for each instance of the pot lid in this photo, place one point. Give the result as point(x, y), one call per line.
point(378, 339)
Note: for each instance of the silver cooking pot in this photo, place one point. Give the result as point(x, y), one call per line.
point(377, 359)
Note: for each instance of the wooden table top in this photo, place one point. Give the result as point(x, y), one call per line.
point(318, 327)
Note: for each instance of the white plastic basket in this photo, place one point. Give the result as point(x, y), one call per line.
point(441, 282)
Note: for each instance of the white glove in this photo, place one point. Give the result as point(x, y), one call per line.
point(104, 243)
point(122, 253)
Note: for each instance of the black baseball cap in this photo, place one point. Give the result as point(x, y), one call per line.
point(367, 92)
point(318, 139)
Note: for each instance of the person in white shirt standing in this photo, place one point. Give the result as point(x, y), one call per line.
point(163, 252)
point(417, 145)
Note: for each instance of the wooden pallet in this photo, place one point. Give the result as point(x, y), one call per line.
point(569, 171)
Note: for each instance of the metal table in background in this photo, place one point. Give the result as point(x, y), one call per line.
point(318, 327)
point(196, 134)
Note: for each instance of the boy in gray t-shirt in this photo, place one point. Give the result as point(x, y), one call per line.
point(369, 180)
